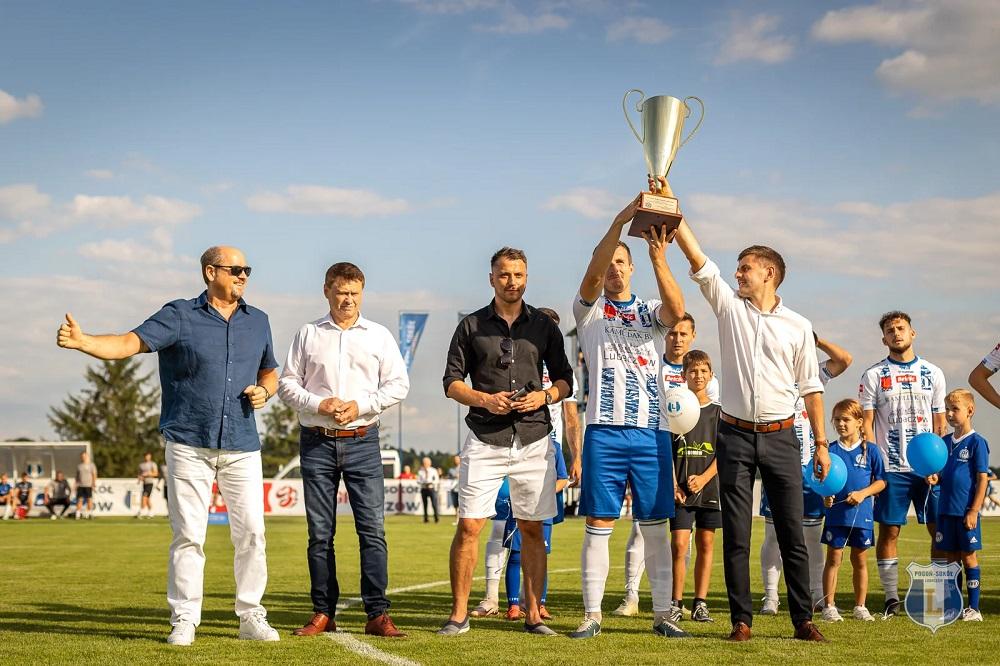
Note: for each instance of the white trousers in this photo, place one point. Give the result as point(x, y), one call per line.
point(191, 470)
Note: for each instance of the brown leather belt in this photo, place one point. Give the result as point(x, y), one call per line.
point(338, 434)
point(750, 426)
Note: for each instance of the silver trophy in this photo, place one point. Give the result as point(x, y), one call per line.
point(662, 127)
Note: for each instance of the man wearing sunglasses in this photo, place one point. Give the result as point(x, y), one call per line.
point(217, 366)
point(626, 441)
point(501, 348)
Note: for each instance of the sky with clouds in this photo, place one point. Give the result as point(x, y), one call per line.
point(415, 137)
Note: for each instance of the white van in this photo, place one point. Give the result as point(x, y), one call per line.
point(390, 466)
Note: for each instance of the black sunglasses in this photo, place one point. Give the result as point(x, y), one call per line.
point(507, 353)
point(235, 271)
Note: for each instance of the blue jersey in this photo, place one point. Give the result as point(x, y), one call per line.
point(5, 489)
point(967, 459)
point(864, 465)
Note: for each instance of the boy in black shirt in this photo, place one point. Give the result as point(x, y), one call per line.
point(696, 491)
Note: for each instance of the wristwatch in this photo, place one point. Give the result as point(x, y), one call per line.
point(548, 397)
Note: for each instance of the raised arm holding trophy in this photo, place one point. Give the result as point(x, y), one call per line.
point(662, 127)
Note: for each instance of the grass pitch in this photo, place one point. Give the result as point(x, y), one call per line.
point(74, 592)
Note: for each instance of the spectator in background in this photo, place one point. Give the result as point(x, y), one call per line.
point(6, 496)
point(86, 479)
point(429, 478)
point(57, 493)
point(22, 497)
point(149, 472)
point(407, 474)
point(453, 475)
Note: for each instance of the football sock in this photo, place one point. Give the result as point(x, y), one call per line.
point(770, 561)
point(813, 534)
point(659, 563)
point(545, 589)
point(512, 581)
point(888, 573)
point(972, 576)
point(594, 563)
point(494, 560)
point(634, 562)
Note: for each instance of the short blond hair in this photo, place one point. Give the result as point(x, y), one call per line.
point(961, 395)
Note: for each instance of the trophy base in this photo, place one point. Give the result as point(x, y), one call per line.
point(655, 211)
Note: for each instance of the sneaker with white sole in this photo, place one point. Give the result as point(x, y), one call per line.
point(971, 615)
point(181, 634)
point(628, 608)
point(769, 606)
point(587, 629)
point(676, 612)
point(861, 613)
point(486, 608)
point(254, 627)
point(700, 612)
point(668, 629)
point(831, 614)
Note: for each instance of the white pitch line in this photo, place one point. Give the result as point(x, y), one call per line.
point(352, 644)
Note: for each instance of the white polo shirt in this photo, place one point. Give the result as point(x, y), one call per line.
point(764, 354)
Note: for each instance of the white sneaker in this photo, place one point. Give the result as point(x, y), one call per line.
point(182, 634)
point(628, 608)
point(254, 627)
point(53, 517)
point(861, 613)
point(831, 614)
point(769, 607)
point(77, 515)
point(486, 608)
point(971, 615)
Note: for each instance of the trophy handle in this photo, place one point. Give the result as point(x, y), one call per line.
point(638, 107)
point(701, 117)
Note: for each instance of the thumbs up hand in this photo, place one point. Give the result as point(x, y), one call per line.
point(70, 335)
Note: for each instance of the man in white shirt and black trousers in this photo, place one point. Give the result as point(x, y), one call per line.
point(501, 348)
point(768, 360)
point(341, 372)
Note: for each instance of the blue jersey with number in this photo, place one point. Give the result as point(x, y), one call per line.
point(864, 465)
point(967, 459)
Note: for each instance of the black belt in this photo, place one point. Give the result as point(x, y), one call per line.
point(759, 426)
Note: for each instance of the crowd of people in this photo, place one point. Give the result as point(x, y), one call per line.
point(761, 411)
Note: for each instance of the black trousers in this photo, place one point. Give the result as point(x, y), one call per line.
point(776, 455)
point(429, 495)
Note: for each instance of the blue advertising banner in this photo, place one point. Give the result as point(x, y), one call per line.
point(411, 327)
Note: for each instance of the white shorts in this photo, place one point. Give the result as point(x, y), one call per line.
point(531, 469)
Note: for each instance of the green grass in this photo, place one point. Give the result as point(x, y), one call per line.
point(74, 592)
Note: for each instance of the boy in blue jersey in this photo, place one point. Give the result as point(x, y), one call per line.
point(849, 514)
point(512, 540)
point(6, 496)
point(963, 484)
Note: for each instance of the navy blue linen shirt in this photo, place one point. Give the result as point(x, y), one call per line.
point(205, 363)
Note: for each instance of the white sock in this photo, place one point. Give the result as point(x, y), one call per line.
point(594, 563)
point(635, 562)
point(770, 562)
point(812, 535)
point(888, 573)
point(659, 563)
point(494, 560)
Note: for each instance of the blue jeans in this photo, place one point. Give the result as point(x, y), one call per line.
point(358, 461)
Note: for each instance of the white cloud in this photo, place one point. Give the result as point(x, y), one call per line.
point(100, 174)
point(450, 6)
point(120, 211)
point(639, 29)
point(755, 38)
point(24, 211)
point(514, 22)
point(590, 202)
point(855, 238)
point(949, 47)
point(12, 108)
point(321, 200)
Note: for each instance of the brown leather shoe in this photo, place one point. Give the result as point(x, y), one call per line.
point(807, 631)
point(740, 633)
point(383, 626)
point(319, 623)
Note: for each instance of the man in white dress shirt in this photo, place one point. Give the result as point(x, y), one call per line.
point(341, 372)
point(768, 361)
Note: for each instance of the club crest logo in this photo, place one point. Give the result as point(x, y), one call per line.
point(674, 407)
point(933, 599)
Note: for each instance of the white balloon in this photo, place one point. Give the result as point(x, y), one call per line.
point(682, 409)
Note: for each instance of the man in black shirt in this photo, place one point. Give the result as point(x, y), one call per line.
point(57, 493)
point(22, 493)
point(501, 347)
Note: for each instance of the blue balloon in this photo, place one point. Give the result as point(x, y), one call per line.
point(835, 479)
point(927, 454)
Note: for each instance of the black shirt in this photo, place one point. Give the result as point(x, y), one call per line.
point(476, 352)
point(694, 453)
